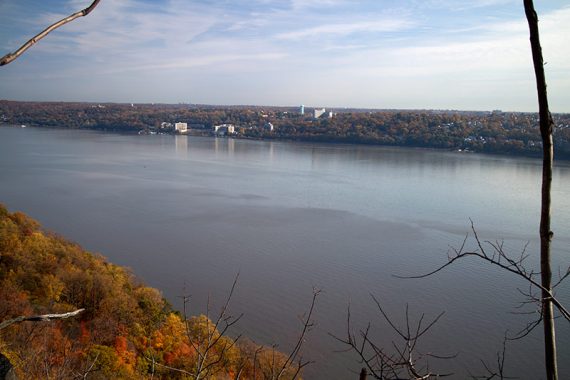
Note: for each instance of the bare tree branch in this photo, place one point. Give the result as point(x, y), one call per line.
point(213, 352)
point(205, 364)
point(404, 362)
point(307, 325)
point(88, 370)
point(499, 371)
point(502, 260)
point(170, 368)
point(40, 318)
point(561, 277)
point(12, 56)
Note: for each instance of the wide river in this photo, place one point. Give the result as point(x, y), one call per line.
point(188, 213)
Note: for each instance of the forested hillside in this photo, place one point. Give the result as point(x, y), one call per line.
point(485, 132)
point(127, 331)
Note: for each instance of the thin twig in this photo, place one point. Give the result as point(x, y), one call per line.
point(404, 362)
point(297, 349)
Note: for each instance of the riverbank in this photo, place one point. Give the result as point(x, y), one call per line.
point(505, 133)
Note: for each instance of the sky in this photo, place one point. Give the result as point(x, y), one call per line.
point(404, 54)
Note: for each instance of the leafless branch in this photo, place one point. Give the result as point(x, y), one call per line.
point(12, 56)
point(205, 363)
point(561, 277)
point(155, 363)
point(295, 353)
point(499, 258)
point(88, 370)
point(212, 352)
point(404, 360)
point(40, 318)
point(499, 371)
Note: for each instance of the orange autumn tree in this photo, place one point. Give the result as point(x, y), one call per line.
point(127, 331)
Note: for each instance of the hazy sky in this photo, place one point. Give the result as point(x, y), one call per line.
point(443, 54)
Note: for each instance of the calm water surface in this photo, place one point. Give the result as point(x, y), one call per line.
point(188, 213)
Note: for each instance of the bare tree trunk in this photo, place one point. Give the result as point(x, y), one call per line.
point(546, 127)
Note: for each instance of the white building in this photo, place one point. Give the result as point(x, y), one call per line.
point(181, 127)
point(224, 129)
point(302, 109)
point(268, 127)
point(318, 112)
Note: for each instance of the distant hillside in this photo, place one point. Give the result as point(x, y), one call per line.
point(472, 131)
point(128, 330)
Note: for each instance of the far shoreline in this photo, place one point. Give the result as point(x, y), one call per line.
point(307, 141)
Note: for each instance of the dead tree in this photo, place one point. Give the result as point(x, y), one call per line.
point(12, 56)
point(404, 360)
point(546, 299)
point(206, 359)
point(295, 359)
point(546, 128)
point(541, 288)
point(499, 371)
point(212, 350)
point(494, 254)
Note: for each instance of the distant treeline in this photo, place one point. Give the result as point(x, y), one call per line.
point(487, 132)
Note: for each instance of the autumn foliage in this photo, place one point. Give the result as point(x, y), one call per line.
point(128, 330)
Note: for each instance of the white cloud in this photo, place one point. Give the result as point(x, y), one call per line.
point(305, 4)
point(344, 29)
point(278, 51)
point(465, 5)
point(209, 61)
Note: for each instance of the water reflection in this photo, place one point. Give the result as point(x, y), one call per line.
point(292, 216)
point(181, 145)
point(224, 147)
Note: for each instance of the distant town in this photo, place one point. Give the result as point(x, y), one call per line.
point(463, 131)
point(228, 129)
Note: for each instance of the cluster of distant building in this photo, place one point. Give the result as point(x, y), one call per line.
point(230, 129)
point(218, 130)
point(224, 129)
point(317, 112)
